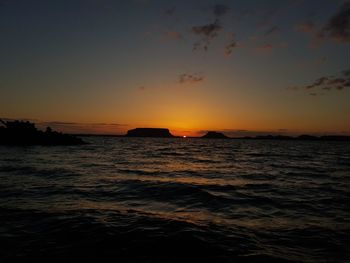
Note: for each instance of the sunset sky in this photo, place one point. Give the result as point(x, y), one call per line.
point(242, 67)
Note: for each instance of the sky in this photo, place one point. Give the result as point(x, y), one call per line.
point(241, 67)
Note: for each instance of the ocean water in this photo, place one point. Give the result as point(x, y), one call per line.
point(176, 200)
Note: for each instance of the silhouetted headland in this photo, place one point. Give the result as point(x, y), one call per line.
point(215, 135)
point(150, 132)
point(25, 133)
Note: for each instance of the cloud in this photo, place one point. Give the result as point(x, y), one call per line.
point(305, 27)
point(208, 32)
point(59, 123)
point(327, 83)
point(172, 35)
point(268, 48)
point(264, 48)
point(230, 46)
point(271, 31)
point(21, 119)
point(190, 78)
point(76, 127)
point(220, 10)
point(317, 83)
point(314, 94)
point(250, 133)
point(338, 26)
point(295, 88)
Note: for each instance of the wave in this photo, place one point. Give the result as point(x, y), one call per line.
point(129, 237)
point(143, 200)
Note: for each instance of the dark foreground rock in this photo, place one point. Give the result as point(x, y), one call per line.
point(150, 132)
point(25, 133)
point(215, 135)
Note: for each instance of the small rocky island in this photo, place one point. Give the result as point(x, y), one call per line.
point(25, 133)
point(215, 135)
point(150, 132)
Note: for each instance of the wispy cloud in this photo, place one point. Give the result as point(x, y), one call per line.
point(208, 32)
point(230, 46)
point(77, 127)
point(191, 78)
point(175, 35)
point(327, 83)
point(268, 47)
point(338, 26)
point(305, 27)
point(249, 133)
point(272, 31)
point(264, 48)
point(315, 94)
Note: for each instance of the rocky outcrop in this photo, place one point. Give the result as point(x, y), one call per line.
point(214, 135)
point(150, 132)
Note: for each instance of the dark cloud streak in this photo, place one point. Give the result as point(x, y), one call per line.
point(305, 27)
point(271, 31)
point(230, 46)
point(190, 78)
point(338, 27)
point(172, 35)
point(208, 33)
point(328, 83)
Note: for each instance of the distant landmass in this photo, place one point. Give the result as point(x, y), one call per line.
point(150, 132)
point(25, 133)
point(304, 137)
point(215, 135)
point(165, 133)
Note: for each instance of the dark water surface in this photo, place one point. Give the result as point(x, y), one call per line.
point(175, 200)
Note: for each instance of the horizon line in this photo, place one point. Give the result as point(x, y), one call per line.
point(91, 128)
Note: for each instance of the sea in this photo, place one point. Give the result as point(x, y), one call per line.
point(176, 200)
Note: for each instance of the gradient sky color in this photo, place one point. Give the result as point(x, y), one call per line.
point(242, 67)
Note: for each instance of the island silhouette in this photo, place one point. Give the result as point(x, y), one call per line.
point(25, 133)
point(165, 133)
point(150, 132)
point(17, 132)
point(214, 135)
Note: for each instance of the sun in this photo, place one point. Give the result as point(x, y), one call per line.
point(184, 136)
